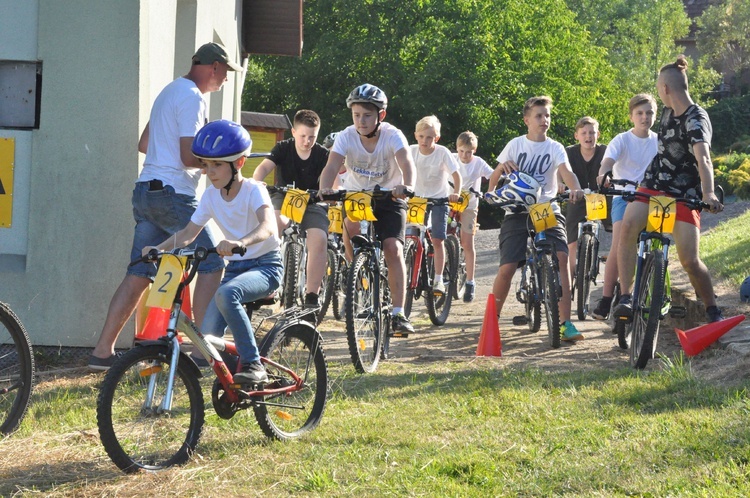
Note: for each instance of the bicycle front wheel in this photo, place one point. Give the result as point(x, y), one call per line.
point(290, 282)
point(550, 282)
point(439, 305)
point(586, 260)
point(647, 310)
point(363, 318)
point(532, 303)
point(16, 370)
point(297, 349)
point(328, 285)
point(136, 429)
point(458, 280)
point(410, 260)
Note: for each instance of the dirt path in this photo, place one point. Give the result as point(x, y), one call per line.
point(457, 339)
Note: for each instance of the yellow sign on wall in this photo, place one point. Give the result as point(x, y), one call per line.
point(7, 156)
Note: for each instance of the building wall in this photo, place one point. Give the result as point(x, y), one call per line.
point(104, 63)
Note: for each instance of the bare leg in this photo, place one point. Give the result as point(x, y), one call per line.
point(610, 267)
point(121, 307)
point(439, 256)
point(205, 288)
point(317, 259)
point(564, 305)
point(686, 237)
point(470, 256)
point(501, 285)
point(394, 258)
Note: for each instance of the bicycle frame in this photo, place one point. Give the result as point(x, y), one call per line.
point(423, 246)
point(648, 241)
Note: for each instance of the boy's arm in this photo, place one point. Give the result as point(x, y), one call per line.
point(604, 168)
point(495, 177)
point(571, 180)
point(457, 180)
point(706, 172)
point(406, 164)
point(180, 239)
point(334, 164)
point(186, 153)
point(263, 169)
point(143, 141)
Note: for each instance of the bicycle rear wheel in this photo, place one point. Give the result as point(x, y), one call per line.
point(363, 318)
point(298, 348)
point(137, 433)
point(532, 303)
point(586, 259)
point(458, 282)
point(551, 292)
point(290, 281)
point(410, 259)
point(328, 285)
point(16, 370)
point(647, 310)
point(439, 306)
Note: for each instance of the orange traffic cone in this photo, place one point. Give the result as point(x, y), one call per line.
point(489, 339)
point(697, 339)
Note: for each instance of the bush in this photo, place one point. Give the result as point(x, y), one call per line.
point(732, 171)
point(730, 119)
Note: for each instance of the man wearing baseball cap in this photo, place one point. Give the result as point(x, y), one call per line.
point(164, 196)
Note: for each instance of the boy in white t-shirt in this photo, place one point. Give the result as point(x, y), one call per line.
point(243, 211)
point(376, 153)
point(434, 166)
point(472, 169)
point(540, 157)
point(627, 157)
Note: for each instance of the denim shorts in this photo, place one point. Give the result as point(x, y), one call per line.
point(618, 208)
point(438, 221)
point(158, 215)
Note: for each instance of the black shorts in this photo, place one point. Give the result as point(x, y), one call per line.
point(515, 231)
point(391, 218)
point(316, 215)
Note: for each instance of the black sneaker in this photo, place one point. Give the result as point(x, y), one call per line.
point(713, 314)
point(254, 373)
point(97, 364)
point(312, 302)
point(400, 326)
point(624, 309)
point(468, 293)
point(601, 312)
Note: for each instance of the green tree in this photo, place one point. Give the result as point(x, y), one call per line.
point(471, 62)
point(724, 41)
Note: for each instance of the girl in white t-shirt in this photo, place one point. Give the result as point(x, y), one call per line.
point(627, 157)
point(472, 169)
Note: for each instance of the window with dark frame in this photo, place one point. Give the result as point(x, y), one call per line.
point(20, 94)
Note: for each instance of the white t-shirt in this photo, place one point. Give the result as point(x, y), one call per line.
point(365, 169)
point(433, 171)
point(237, 217)
point(632, 155)
point(538, 159)
point(471, 176)
point(178, 111)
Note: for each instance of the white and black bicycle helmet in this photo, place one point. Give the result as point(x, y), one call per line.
point(520, 187)
point(367, 94)
point(222, 140)
point(329, 139)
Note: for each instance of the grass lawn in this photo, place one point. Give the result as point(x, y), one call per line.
point(726, 249)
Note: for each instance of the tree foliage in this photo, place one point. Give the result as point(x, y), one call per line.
point(470, 62)
point(723, 37)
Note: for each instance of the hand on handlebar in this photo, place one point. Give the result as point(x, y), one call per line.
point(402, 192)
point(230, 247)
point(715, 206)
point(454, 197)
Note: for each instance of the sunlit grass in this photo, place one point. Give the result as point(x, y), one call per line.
point(726, 249)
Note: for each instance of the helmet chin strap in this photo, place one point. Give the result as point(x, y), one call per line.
point(231, 180)
point(375, 131)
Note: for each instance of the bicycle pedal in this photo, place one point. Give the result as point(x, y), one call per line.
point(677, 312)
point(520, 320)
point(399, 335)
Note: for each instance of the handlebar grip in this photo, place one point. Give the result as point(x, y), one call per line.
point(239, 250)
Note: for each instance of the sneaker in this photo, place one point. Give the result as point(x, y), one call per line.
point(601, 312)
point(254, 373)
point(713, 314)
point(569, 332)
point(438, 288)
point(624, 309)
point(312, 302)
point(97, 364)
point(469, 293)
point(400, 326)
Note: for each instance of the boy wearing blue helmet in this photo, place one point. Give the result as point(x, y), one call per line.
point(243, 211)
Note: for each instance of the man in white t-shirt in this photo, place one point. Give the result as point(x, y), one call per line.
point(164, 196)
point(540, 157)
point(376, 153)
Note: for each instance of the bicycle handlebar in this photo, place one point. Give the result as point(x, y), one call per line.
point(377, 192)
point(198, 254)
point(629, 196)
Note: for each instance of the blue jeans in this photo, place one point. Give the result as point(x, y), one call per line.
point(244, 281)
point(158, 215)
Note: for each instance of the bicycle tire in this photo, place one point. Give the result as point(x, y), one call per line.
point(363, 317)
point(533, 304)
point(585, 260)
point(458, 282)
point(328, 285)
point(550, 290)
point(647, 310)
point(439, 307)
point(135, 434)
point(337, 299)
point(16, 370)
point(298, 348)
point(385, 311)
point(410, 259)
point(291, 275)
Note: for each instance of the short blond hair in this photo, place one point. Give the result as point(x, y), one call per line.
point(467, 138)
point(542, 100)
point(429, 122)
point(640, 99)
point(587, 120)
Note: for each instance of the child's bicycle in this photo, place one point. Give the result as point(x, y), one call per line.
point(420, 265)
point(337, 264)
point(587, 253)
point(652, 294)
point(540, 273)
point(150, 409)
point(16, 370)
point(453, 242)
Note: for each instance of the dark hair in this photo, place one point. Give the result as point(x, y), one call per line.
point(679, 71)
point(307, 117)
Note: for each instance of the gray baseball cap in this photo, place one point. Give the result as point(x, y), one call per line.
point(214, 52)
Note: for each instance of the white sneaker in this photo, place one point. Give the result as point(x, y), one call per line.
point(438, 287)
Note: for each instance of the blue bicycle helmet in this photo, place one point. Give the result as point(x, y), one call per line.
point(745, 291)
point(521, 188)
point(367, 94)
point(222, 140)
